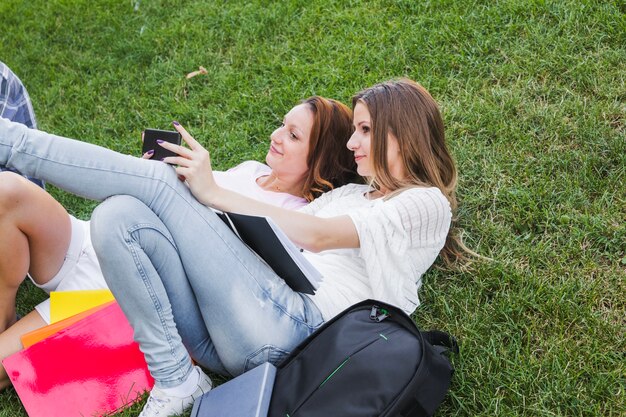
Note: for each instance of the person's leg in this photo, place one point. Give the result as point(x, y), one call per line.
point(11, 343)
point(36, 232)
point(252, 316)
point(85, 169)
point(161, 312)
point(136, 252)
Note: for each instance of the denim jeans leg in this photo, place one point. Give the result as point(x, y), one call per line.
point(247, 309)
point(134, 231)
point(134, 280)
point(251, 315)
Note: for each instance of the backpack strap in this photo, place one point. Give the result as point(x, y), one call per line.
point(433, 378)
point(441, 341)
point(437, 373)
point(414, 408)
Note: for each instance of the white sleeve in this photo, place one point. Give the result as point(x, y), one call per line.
point(399, 240)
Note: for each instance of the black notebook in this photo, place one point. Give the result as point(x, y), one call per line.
point(264, 237)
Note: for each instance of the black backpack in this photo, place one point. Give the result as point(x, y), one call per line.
point(370, 360)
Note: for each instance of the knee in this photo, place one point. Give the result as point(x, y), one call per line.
point(14, 191)
point(111, 221)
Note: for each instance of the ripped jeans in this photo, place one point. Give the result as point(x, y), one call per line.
point(186, 283)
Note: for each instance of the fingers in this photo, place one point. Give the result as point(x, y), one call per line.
point(177, 160)
point(196, 160)
point(189, 161)
point(148, 154)
point(189, 140)
point(177, 149)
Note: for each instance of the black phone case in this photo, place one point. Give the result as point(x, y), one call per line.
point(150, 137)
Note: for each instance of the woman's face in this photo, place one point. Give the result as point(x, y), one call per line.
point(360, 144)
point(289, 146)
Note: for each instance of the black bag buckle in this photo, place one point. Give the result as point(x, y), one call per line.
point(378, 314)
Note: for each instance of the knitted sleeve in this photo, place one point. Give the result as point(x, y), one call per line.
point(399, 240)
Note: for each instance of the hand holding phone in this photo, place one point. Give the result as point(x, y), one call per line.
point(150, 137)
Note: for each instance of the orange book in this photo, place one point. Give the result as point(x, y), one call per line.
point(29, 339)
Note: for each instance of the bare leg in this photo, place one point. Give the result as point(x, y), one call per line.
point(35, 234)
point(10, 341)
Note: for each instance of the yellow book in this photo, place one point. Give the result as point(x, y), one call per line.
point(64, 304)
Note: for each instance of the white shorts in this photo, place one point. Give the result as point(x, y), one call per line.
point(80, 270)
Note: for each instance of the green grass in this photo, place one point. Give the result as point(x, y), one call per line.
point(534, 99)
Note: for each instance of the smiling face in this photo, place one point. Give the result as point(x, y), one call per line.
point(360, 140)
point(361, 144)
point(289, 147)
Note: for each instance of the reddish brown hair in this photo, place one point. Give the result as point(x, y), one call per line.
point(330, 163)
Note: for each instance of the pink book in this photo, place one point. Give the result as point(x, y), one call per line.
point(91, 368)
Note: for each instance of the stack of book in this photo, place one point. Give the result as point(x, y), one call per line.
point(83, 365)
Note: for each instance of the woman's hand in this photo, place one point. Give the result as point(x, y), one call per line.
point(193, 164)
point(147, 155)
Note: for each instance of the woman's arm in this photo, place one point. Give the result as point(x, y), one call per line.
point(309, 232)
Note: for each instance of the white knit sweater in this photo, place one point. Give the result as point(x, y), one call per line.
point(399, 240)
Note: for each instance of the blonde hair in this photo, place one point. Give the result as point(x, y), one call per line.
point(406, 110)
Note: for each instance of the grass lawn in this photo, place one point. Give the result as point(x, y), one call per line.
point(533, 94)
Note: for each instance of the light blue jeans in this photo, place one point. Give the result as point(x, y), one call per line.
point(183, 279)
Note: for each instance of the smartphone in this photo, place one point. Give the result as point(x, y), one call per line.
point(150, 137)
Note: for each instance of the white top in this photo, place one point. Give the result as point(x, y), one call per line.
point(242, 179)
point(400, 239)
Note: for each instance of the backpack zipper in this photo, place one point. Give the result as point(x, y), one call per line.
point(334, 372)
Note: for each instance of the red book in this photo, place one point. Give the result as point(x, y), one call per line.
point(90, 368)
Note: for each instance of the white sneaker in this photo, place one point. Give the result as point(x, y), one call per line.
point(161, 404)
